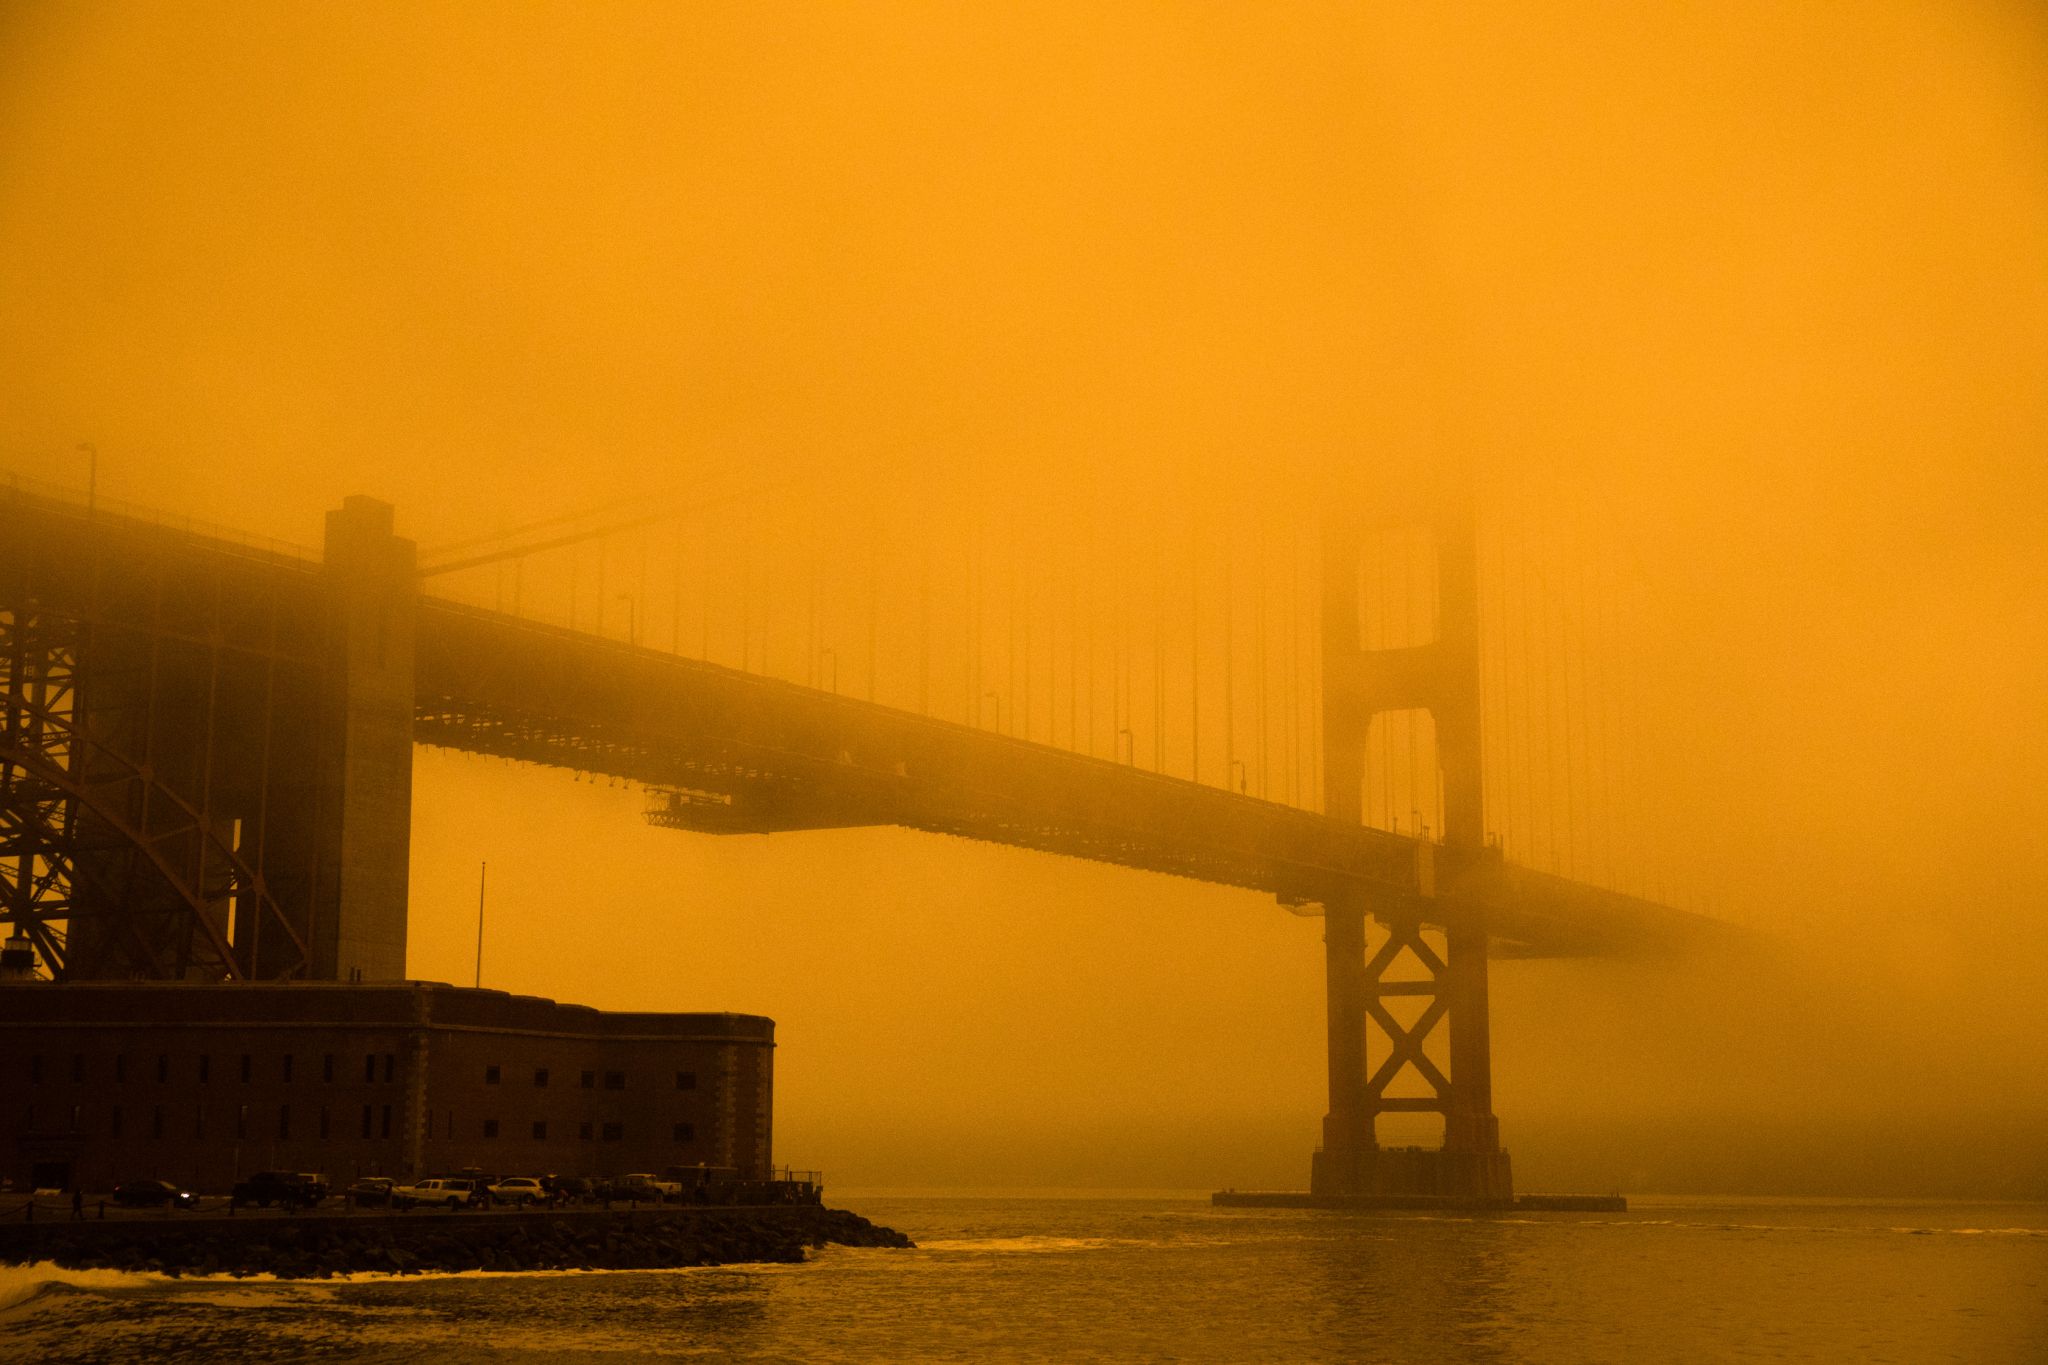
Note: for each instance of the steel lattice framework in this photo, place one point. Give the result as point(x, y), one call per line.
point(132, 803)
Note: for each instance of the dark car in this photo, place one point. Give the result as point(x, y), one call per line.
point(291, 1189)
point(370, 1190)
point(152, 1194)
point(569, 1189)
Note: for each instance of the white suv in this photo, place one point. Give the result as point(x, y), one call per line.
point(520, 1190)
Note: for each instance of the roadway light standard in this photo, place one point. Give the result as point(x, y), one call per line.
point(1126, 752)
point(1237, 766)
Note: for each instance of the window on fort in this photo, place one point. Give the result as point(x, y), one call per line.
point(205, 1067)
point(584, 1131)
point(248, 1068)
point(686, 1132)
point(384, 1123)
point(287, 1068)
point(614, 1132)
point(163, 1067)
point(490, 1128)
point(327, 1068)
point(366, 1120)
point(686, 1080)
point(490, 1075)
point(540, 1130)
point(120, 1068)
point(241, 1121)
point(284, 1121)
point(615, 1080)
point(156, 1121)
point(77, 1066)
point(114, 1121)
point(589, 1078)
point(369, 1069)
point(35, 1070)
point(323, 1122)
point(540, 1076)
point(390, 1066)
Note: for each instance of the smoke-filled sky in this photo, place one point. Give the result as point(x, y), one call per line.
point(1756, 294)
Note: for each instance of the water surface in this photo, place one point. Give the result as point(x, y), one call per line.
point(1159, 1278)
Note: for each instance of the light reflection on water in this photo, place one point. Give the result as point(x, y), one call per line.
point(1155, 1278)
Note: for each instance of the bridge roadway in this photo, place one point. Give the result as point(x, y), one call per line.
point(750, 755)
point(747, 754)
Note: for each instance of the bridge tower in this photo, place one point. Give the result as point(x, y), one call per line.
point(367, 714)
point(1365, 999)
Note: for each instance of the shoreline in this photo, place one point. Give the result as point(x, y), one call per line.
point(316, 1246)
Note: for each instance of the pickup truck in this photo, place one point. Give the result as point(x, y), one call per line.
point(292, 1189)
point(454, 1192)
point(643, 1186)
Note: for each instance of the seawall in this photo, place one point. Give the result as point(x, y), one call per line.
point(313, 1245)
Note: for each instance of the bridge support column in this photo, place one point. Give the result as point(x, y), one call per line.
point(1340, 1165)
point(365, 839)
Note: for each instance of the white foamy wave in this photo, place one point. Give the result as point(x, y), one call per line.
point(1015, 1244)
point(21, 1283)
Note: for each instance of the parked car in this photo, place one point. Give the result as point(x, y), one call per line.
point(570, 1189)
point(455, 1192)
point(642, 1186)
point(292, 1189)
point(152, 1194)
point(518, 1190)
point(370, 1191)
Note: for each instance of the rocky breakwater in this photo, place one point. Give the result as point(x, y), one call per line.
point(311, 1246)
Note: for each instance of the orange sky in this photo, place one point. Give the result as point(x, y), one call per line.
point(1759, 293)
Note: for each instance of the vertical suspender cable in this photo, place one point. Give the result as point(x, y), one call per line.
point(1158, 656)
point(1229, 664)
point(1259, 654)
point(1194, 652)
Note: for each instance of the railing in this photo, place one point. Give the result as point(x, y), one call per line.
point(95, 505)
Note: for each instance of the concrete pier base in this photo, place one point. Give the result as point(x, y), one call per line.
point(1412, 1172)
point(1366, 1203)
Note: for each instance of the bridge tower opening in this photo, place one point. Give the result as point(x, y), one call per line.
point(1407, 985)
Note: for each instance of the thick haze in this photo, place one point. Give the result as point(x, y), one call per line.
point(1757, 294)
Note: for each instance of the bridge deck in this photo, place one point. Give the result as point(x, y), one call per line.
point(749, 754)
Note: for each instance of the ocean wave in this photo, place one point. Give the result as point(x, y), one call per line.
point(21, 1284)
point(1025, 1244)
